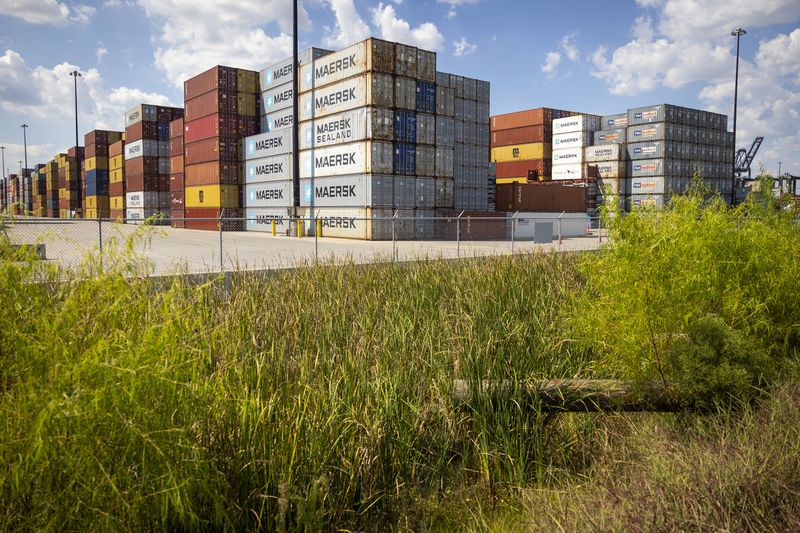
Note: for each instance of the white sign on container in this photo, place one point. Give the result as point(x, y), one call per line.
point(572, 171)
point(604, 152)
point(274, 168)
point(334, 67)
point(567, 155)
point(269, 194)
point(142, 147)
point(360, 190)
point(261, 218)
point(277, 74)
point(277, 98)
point(366, 223)
point(354, 158)
point(609, 169)
point(576, 123)
point(350, 126)
point(267, 144)
point(278, 120)
point(576, 139)
point(366, 90)
point(141, 112)
point(139, 199)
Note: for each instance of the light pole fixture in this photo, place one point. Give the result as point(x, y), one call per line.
point(3, 152)
point(738, 32)
point(25, 143)
point(75, 74)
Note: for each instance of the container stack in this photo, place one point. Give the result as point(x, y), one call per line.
point(570, 136)
point(38, 192)
point(3, 194)
point(176, 180)
point(471, 141)
point(222, 108)
point(667, 144)
point(96, 172)
point(116, 179)
point(607, 159)
point(51, 188)
point(147, 161)
point(358, 128)
point(69, 183)
point(13, 202)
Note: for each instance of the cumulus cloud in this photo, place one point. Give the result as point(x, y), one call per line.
point(566, 49)
point(15, 152)
point(350, 28)
point(551, 61)
point(101, 53)
point(197, 34)
point(47, 11)
point(392, 28)
point(677, 43)
point(43, 93)
point(463, 48)
point(453, 4)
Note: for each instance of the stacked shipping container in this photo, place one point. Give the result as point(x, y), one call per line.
point(147, 161)
point(570, 136)
point(51, 189)
point(176, 179)
point(69, 183)
point(38, 192)
point(97, 171)
point(222, 108)
point(116, 179)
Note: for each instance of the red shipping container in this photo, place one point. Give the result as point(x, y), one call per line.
point(176, 128)
point(116, 189)
point(212, 216)
point(140, 182)
point(218, 77)
point(519, 169)
point(216, 125)
point(176, 145)
point(176, 200)
point(216, 101)
point(176, 164)
point(177, 218)
point(163, 182)
point(116, 149)
point(117, 214)
point(73, 151)
point(528, 134)
point(165, 115)
point(176, 182)
point(141, 130)
point(213, 149)
point(141, 165)
point(213, 173)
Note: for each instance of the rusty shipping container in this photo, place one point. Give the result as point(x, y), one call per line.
point(542, 198)
point(527, 134)
point(518, 169)
point(213, 149)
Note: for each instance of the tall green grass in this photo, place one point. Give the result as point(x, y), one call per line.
point(310, 399)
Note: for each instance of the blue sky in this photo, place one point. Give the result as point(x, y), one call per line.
point(597, 57)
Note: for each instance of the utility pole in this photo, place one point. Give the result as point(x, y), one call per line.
point(296, 109)
point(75, 74)
point(738, 32)
point(25, 143)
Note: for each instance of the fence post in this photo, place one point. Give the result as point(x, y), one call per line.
point(600, 228)
point(100, 235)
point(513, 229)
point(221, 259)
point(560, 238)
point(394, 238)
point(316, 225)
point(458, 234)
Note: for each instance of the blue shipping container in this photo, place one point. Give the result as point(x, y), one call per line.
point(426, 97)
point(97, 183)
point(405, 126)
point(163, 131)
point(405, 159)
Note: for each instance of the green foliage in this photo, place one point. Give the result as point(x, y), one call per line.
point(667, 270)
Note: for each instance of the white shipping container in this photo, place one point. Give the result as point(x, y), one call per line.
point(275, 168)
point(142, 147)
point(353, 158)
point(365, 223)
point(613, 186)
point(604, 152)
point(277, 98)
point(607, 169)
point(281, 72)
point(576, 123)
point(140, 199)
point(354, 60)
point(141, 112)
point(567, 155)
point(278, 120)
point(137, 215)
point(260, 219)
point(366, 90)
point(269, 194)
point(360, 190)
point(577, 139)
point(359, 124)
point(267, 144)
point(572, 171)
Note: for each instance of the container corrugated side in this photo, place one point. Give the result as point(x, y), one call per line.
point(366, 90)
point(578, 139)
point(365, 224)
point(277, 98)
point(371, 55)
point(604, 152)
point(277, 121)
point(360, 190)
point(353, 158)
point(261, 219)
point(569, 171)
point(521, 151)
point(267, 144)
point(616, 136)
point(359, 124)
point(269, 194)
point(607, 169)
point(273, 168)
point(568, 156)
point(576, 123)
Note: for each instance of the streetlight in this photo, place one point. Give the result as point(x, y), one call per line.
point(25, 143)
point(75, 74)
point(738, 32)
point(296, 119)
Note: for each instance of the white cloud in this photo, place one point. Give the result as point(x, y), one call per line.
point(463, 47)
point(43, 93)
point(451, 12)
point(37, 153)
point(101, 53)
point(46, 11)
point(781, 55)
point(566, 49)
point(392, 28)
point(196, 36)
point(350, 27)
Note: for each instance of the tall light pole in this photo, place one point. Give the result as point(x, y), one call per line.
point(75, 74)
point(295, 110)
point(25, 143)
point(738, 32)
point(3, 152)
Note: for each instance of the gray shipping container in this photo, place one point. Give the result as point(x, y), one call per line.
point(278, 120)
point(371, 55)
point(364, 123)
point(269, 194)
point(443, 79)
point(260, 219)
point(424, 224)
point(482, 113)
point(646, 150)
point(653, 114)
point(141, 112)
point(470, 88)
point(445, 131)
point(445, 100)
point(359, 190)
point(484, 91)
point(426, 129)
point(405, 93)
point(659, 131)
point(426, 65)
point(613, 122)
point(425, 193)
point(405, 191)
point(616, 136)
point(426, 160)
point(647, 167)
point(367, 90)
point(277, 98)
point(267, 144)
point(405, 60)
point(457, 83)
point(444, 192)
point(444, 162)
point(281, 72)
point(640, 201)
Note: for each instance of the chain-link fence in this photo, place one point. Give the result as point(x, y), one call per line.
point(228, 244)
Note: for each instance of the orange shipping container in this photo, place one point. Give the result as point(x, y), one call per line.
point(528, 134)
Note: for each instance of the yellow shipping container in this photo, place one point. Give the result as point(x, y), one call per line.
point(212, 196)
point(246, 105)
point(114, 136)
point(117, 175)
point(247, 81)
point(96, 163)
point(97, 202)
point(116, 162)
point(117, 203)
point(503, 181)
point(519, 152)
